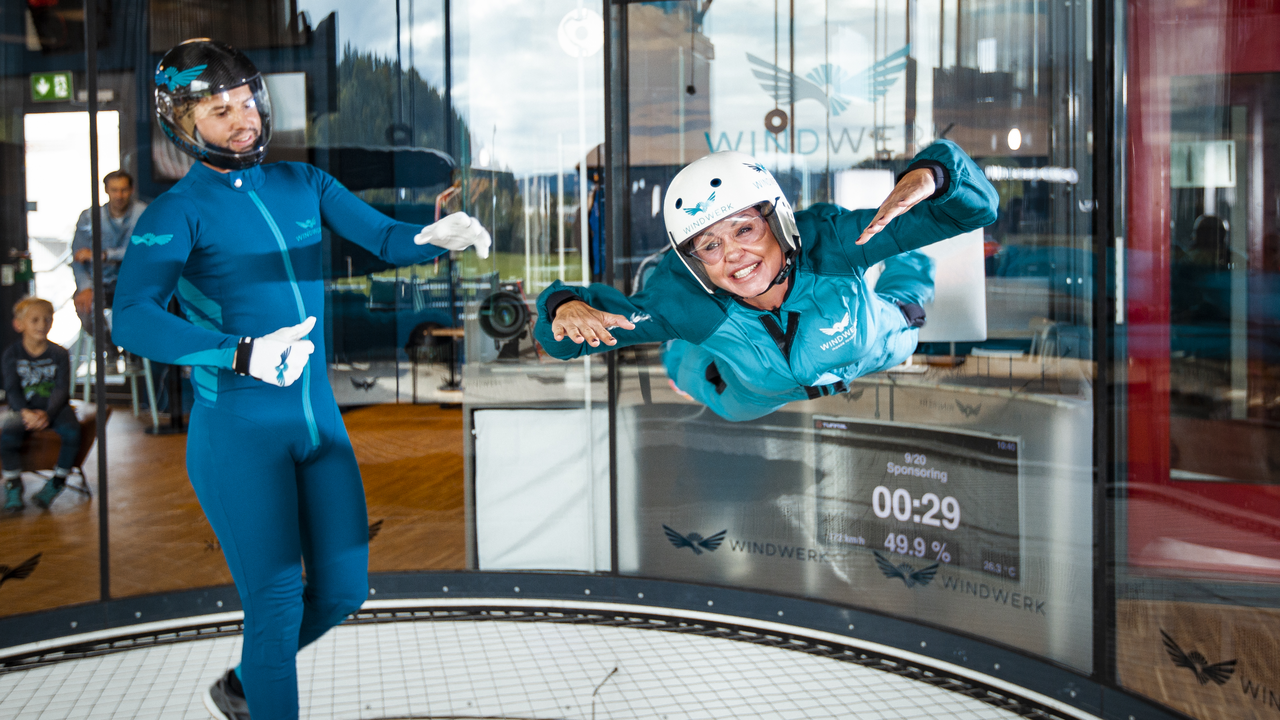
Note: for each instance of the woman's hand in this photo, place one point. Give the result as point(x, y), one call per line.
point(910, 190)
point(579, 321)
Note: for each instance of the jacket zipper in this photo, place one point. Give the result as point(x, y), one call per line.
point(302, 316)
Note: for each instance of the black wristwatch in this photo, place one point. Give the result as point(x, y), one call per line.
point(244, 349)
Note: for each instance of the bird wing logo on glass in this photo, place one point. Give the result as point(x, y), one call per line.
point(22, 571)
point(694, 541)
point(969, 410)
point(905, 572)
point(150, 239)
point(173, 79)
point(1197, 664)
point(830, 84)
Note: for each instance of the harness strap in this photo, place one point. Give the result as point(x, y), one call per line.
point(782, 339)
point(816, 391)
point(713, 376)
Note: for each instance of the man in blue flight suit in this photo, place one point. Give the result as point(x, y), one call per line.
point(267, 453)
point(759, 306)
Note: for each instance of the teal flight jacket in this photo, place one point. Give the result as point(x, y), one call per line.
point(843, 328)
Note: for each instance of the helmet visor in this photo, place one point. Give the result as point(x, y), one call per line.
point(745, 228)
point(228, 128)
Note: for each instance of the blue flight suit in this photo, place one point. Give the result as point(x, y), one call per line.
point(272, 466)
point(831, 327)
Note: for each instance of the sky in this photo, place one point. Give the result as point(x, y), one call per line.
point(522, 102)
point(519, 89)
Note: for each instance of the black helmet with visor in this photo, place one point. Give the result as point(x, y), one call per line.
point(195, 70)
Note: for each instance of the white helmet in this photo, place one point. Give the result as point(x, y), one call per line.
point(714, 187)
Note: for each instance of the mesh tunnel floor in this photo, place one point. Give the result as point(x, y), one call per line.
point(499, 669)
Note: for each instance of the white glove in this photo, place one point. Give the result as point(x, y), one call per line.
point(278, 358)
point(458, 231)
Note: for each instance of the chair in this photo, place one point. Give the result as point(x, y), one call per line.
point(82, 371)
point(40, 450)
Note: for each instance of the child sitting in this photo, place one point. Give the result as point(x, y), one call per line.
point(37, 383)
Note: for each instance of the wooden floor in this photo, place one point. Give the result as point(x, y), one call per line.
point(410, 458)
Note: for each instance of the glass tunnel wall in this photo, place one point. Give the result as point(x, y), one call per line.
point(44, 125)
point(1199, 558)
point(958, 491)
point(386, 97)
point(955, 490)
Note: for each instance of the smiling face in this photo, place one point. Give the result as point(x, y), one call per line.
point(741, 256)
point(229, 119)
point(34, 323)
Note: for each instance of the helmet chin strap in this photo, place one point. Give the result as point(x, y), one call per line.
point(788, 256)
point(783, 273)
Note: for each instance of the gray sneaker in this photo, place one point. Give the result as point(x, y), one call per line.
point(225, 698)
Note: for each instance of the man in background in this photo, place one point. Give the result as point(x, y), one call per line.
point(117, 218)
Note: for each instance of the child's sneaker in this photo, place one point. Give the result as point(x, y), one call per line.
point(51, 490)
point(13, 496)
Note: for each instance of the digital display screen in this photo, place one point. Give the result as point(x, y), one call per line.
point(919, 495)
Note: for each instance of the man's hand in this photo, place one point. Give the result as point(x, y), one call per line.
point(84, 301)
point(910, 190)
point(280, 357)
point(579, 321)
point(458, 231)
point(35, 419)
point(82, 255)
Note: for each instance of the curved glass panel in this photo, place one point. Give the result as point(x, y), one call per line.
point(955, 489)
point(49, 549)
point(421, 109)
point(540, 478)
point(958, 489)
point(1200, 555)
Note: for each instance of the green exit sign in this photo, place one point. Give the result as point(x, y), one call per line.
point(51, 87)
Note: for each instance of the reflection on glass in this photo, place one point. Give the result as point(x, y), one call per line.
point(49, 523)
point(1202, 553)
point(835, 101)
point(532, 169)
point(363, 91)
